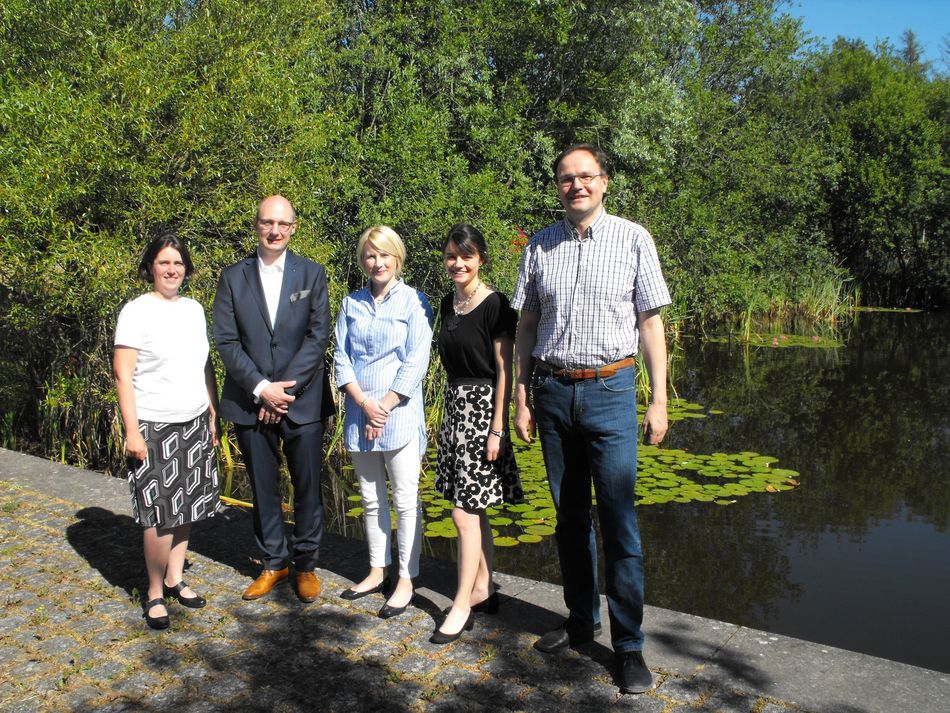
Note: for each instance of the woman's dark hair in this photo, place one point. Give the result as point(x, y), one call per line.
point(468, 240)
point(165, 240)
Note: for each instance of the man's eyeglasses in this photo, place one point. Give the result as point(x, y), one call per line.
point(282, 225)
point(568, 181)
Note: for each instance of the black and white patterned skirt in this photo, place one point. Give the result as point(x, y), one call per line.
point(177, 482)
point(463, 475)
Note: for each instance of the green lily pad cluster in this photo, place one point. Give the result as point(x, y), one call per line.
point(663, 476)
point(526, 522)
point(675, 475)
point(681, 409)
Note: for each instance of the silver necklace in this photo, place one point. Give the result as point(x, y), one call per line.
point(457, 306)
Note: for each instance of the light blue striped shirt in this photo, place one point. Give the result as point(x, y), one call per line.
point(384, 348)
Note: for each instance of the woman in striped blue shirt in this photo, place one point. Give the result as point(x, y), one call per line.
point(383, 337)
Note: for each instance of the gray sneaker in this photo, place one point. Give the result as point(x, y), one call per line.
point(632, 672)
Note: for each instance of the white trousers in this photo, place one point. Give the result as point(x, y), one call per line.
point(403, 466)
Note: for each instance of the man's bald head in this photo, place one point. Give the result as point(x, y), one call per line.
point(275, 223)
point(275, 200)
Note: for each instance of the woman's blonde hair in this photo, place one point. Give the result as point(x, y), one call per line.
point(383, 238)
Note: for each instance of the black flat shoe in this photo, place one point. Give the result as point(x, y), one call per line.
point(155, 622)
point(388, 612)
point(194, 602)
point(441, 638)
point(488, 606)
point(351, 594)
point(560, 638)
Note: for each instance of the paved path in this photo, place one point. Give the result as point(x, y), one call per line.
point(72, 637)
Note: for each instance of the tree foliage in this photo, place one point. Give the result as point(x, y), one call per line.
point(766, 168)
point(887, 197)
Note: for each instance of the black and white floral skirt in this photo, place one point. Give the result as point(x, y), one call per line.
point(463, 475)
point(177, 482)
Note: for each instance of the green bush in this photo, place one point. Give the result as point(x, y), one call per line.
point(761, 166)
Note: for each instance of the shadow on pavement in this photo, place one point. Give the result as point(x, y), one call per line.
point(112, 545)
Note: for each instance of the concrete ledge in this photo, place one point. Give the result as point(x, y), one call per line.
point(699, 662)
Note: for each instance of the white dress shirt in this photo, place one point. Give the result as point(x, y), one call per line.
point(272, 279)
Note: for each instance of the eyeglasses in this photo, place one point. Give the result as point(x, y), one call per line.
point(568, 181)
point(282, 225)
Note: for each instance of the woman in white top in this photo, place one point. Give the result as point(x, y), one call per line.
point(383, 338)
point(168, 400)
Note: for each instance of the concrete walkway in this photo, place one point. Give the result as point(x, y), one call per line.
point(72, 637)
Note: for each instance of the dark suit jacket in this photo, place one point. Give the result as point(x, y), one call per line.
point(294, 349)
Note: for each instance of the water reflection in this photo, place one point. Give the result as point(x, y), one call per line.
point(859, 556)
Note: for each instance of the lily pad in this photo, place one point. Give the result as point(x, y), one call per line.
point(666, 477)
point(539, 529)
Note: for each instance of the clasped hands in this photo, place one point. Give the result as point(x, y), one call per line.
point(376, 417)
point(275, 401)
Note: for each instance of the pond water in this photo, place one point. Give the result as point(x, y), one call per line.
point(858, 554)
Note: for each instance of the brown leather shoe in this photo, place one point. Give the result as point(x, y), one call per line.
point(308, 586)
point(265, 582)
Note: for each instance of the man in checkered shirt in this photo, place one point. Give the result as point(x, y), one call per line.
point(589, 289)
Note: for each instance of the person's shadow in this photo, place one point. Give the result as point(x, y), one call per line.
point(111, 544)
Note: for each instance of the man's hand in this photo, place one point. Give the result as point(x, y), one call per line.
point(524, 421)
point(653, 341)
point(267, 415)
point(525, 340)
point(274, 398)
point(214, 425)
point(655, 423)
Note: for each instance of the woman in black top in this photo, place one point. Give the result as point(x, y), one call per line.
point(475, 468)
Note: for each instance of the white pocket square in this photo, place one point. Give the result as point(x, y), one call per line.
point(299, 295)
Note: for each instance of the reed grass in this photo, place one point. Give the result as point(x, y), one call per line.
point(8, 438)
point(80, 423)
point(818, 303)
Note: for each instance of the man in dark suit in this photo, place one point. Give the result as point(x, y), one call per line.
point(272, 326)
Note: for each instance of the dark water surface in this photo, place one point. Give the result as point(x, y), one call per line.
point(859, 555)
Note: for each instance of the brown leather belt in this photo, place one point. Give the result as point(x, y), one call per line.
point(600, 373)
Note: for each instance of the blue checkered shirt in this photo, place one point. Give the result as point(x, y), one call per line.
point(589, 292)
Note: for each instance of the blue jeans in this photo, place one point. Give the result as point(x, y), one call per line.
point(588, 430)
